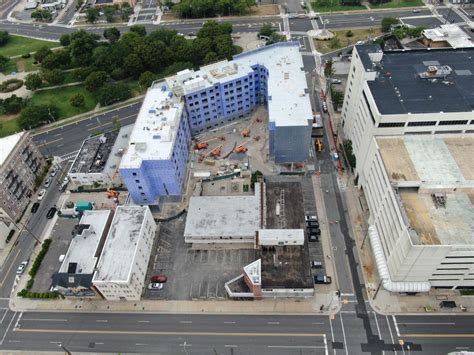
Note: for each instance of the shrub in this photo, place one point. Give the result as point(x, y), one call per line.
point(10, 85)
point(349, 33)
point(39, 258)
point(26, 55)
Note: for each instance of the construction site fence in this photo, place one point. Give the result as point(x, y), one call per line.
point(99, 189)
point(293, 173)
point(221, 177)
point(167, 219)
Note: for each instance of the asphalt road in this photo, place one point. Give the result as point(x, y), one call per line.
point(66, 139)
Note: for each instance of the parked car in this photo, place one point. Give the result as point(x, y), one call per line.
point(155, 286)
point(313, 238)
point(192, 34)
point(316, 264)
point(416, 11)
point(325, 106)
point(336, 81)
point(314, 231)
point(360, 42)
point(54, 172)
point(292, 16)
point(41, 194)
point(51, 212)
point(22, 267)
point(310, 218)
point(159, 278)
point(312, 224)
point(322, 279)
point(47, 182)
point(35, 207)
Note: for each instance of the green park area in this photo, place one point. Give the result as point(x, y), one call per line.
point(17, 45)
point(346, 37)
point(397, 3)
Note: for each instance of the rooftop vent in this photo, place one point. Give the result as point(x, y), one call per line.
point(436, 71)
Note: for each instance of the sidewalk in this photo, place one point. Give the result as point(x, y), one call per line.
point(265, 306)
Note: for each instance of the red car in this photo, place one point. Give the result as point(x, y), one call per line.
point(159, 279)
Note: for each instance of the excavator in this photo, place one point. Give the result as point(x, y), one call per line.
point(241, 148)
point(205, 144)
point(112, 193)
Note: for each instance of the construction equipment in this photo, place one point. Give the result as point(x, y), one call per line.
point(200, 146)
point(216, 152)
point(318, 145)
point(112, 193)
point(240, 149)
point(246, 132)
point(299, 165)
point(205, 144)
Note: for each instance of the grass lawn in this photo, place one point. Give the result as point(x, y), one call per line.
point(20, 45)
point(20, 64)
point(360, 34)
point(8, 127)
point(335, 5)
point(398, 3)
point(60, 98)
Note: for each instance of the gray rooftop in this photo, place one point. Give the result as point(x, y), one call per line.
point(119, 250)
point(82, 253)
point(404, 83)
point(223, 216)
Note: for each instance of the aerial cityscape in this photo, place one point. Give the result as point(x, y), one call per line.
point(237, 177)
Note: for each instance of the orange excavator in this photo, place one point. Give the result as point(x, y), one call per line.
point(112, 193)
point(200, 146)
point(216, 152)
point(241, 148)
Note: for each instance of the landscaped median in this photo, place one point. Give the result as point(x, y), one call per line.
point(346, 37)
point(323, 6)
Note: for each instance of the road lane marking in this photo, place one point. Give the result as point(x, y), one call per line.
point(390, 330)
point(143, 321)
point(6, 331)
point(275, 323)
point(8, 270)
point(4, 315)
point(125, 332)
point(332, 331)
point(58, 134)
point(50, 142)
point(344, 335)
point(186, 321)
point(229, 322)
point(428, 323)
point(230, 346)
point(140, 344)
point(318, 323)
point(101, 320)
point(454, 335)
point(296, 346)
point(99, 343)
point(55, 342)
point(45, 319)
point(396, 326)
point(377, 324)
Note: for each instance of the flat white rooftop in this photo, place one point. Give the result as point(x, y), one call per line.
point(223, 216)
point(451, 33)
point(83, 248)
point(276, 236)
point(120, 246)
point(7, 144)
point(288, 95)
point(155, 129)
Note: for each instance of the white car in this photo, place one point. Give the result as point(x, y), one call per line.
point(41, 194)
point(47, 182)
point(310, 218)
point(54, 172)
point(155, 286)
point(22, 267)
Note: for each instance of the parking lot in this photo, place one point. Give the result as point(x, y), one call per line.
point(192, 274)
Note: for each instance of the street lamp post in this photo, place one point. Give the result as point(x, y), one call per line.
point(66, 351)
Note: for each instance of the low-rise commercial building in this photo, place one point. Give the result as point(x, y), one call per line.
point(98, 159)
point(20, 163)
point(446, 36)
point(74, 277)
point(120, 272)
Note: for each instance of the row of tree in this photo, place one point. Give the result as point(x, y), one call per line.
point(211, 8)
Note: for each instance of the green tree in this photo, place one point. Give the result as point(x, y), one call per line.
point(3, 62)
point(65, 40)
point(266, 30)
point(224, 47)
point(92, 14)
point(328, 68)
point(82, 46)
point(349, 33)
point(42, 15)
point(212, 29)
point(146, 79)
point(275, 37)
point(53, 76)
point(36, 115)
point(335, 42)
point(133, 65)
point(112, 34)
point(125, 11)
point(138, 29)
point(42, 53)
point(95, 80)
point(109, 13)
point(77, 100)
point(112, 93)
point(33, 81)
point(254, 178)
point(12, 105)
point(79, 4)
point(4, 38)
point(347, 144)
point(337, 98)
point(388, 22)
point(210, 57)
point(57, 59)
